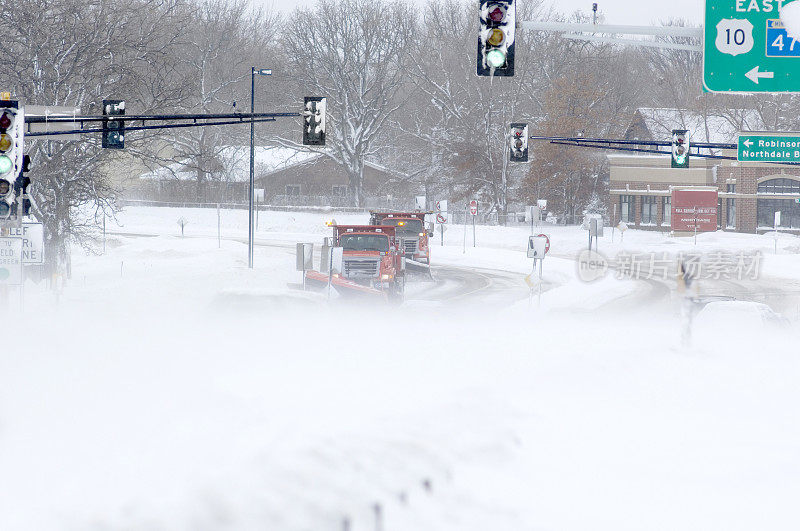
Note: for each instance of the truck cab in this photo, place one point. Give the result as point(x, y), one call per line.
point(371, 256)
point(411, 229)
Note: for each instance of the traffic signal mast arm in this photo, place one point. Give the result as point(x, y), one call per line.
point(151, 127)
point(626, 145)
point(159, 117)
point(227, 119)
point(703, 145)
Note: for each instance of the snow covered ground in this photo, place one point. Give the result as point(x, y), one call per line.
point(170, 387)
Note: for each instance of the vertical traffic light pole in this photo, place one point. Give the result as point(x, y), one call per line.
point(251, 192)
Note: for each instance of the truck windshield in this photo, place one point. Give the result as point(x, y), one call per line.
point(405, 227)
point(365, 242)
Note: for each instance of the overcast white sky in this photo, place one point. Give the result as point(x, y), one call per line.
point(616, 11)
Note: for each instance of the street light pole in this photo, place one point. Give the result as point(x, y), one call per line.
point(250, 215)
point(250, 231)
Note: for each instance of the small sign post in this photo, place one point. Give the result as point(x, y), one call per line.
point(613, 223)
point(441, 217)
point(534, 215)
point(538, 247)
point(473, 210)
point(594, 224)
point(182, 222)
point(305, 259)
point(465, 228)
point(622, 228)
point(777, 224)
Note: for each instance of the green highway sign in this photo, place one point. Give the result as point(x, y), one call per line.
point(747, 48)
point(769, 147)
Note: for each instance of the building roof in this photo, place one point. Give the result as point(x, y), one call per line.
point(713, 127)
point(234, 164)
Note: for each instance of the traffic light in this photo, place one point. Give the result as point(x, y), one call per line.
point(314, 111)
point(518, 150)
point(680, 148)
point(113, 130)
point(496, 37)
point(21, 187)
point(12, 131)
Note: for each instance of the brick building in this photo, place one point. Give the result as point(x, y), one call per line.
point(749, 194)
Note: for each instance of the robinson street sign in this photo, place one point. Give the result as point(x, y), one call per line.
point(747, 48)
point(769, 147)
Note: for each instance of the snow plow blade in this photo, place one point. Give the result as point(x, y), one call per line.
point(343, 287)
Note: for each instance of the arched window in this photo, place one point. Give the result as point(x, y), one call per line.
point(779, 186)
point(770, 200)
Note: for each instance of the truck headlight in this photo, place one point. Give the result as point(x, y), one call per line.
point(386, 277)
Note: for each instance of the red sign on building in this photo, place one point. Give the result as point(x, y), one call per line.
point(694, 208)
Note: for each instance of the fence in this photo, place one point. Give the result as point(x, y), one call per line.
point(385, 202)
point(278, 202)
point(236, 206)
point(457, 216)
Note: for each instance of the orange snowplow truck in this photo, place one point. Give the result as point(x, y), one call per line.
point(411, 230)
point(371, 257)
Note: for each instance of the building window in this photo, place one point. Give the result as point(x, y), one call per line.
point(730, 221)
point(627, 208)
point(293, 189)
point(770, 202)
point(339, 190)
point(649, 210)
point(779, 186)
point(666, 209)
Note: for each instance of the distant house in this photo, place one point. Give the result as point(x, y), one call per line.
point(226, 175)
point(288, 177)
point(318, 180)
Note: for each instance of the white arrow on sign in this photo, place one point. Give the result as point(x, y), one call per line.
point(748, 143)
point(754, 75)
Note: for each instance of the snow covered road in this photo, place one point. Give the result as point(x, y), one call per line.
point(173, 388)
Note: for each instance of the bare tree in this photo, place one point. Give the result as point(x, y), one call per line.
point(591, 91)
point(76, 53)
point(465, 123)
point(223, 40)
point(353, 52)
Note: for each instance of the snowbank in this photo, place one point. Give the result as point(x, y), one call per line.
point(173, 388)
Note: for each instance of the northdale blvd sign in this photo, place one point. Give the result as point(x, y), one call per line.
point(769, 147)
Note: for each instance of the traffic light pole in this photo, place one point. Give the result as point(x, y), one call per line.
point(251, 206)
point(250, 226)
